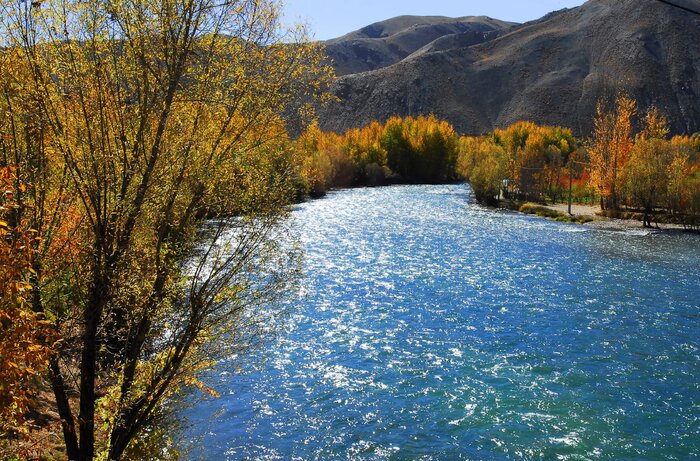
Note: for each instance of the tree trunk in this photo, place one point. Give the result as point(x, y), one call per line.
point(88, 368)
point(647, 220)
point(58, 384)
point(63, 406)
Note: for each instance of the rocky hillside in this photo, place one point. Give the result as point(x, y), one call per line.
point(550, 71)
point(388, 42)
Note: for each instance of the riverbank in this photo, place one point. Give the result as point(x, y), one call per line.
point(589, 215)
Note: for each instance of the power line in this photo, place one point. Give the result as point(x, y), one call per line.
point(684, 8)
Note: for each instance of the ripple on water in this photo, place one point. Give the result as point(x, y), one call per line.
point(431, 328)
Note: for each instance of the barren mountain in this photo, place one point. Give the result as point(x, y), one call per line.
point(550, 71)
point(388, 42)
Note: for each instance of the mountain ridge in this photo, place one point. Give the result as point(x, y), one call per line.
point(551, 71)
point(384, 43)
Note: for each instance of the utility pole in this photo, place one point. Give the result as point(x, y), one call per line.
point(571, 186)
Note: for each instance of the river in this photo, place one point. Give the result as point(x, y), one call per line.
point(429, 327)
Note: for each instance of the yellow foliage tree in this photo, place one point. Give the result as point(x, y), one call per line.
point(646, 175)
point(485, 165)
point(135, 121)
point(610, 147)
point(534, 156)
point(646, 172)
point(422, 149)
point(24, 335)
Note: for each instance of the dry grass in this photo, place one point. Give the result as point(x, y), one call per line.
point(547, 212)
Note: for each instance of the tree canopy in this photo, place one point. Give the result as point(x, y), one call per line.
point(130, 122)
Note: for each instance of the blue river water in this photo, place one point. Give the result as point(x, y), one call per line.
point(431, 328)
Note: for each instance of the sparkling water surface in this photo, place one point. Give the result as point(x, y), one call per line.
point(432, 328)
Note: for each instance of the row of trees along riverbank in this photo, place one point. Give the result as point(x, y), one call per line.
point(402, 150)
point(123, 127)
point(630, 172)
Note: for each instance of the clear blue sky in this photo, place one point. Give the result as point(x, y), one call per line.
point(333, 18)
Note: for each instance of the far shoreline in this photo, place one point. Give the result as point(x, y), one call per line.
point(582, 215)
point(591, 214)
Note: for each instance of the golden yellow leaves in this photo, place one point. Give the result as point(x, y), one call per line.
point(610, 147)
point(416, 149)
point(24, 336)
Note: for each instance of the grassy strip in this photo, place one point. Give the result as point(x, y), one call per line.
point(544, 212)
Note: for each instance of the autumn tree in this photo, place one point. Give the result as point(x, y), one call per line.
point(610, 147)
point(655, 125)
point(485, 165)
point(534, 156)
point(646, 173)
point(401, 157)
point(141, 119)
point(421, 149)
point(326, 161)
point(408, 149)
point(551, 174)
point(27, 234)
point(438, 148)
point(684, 181)
point(513, 139)
point(25, 339)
